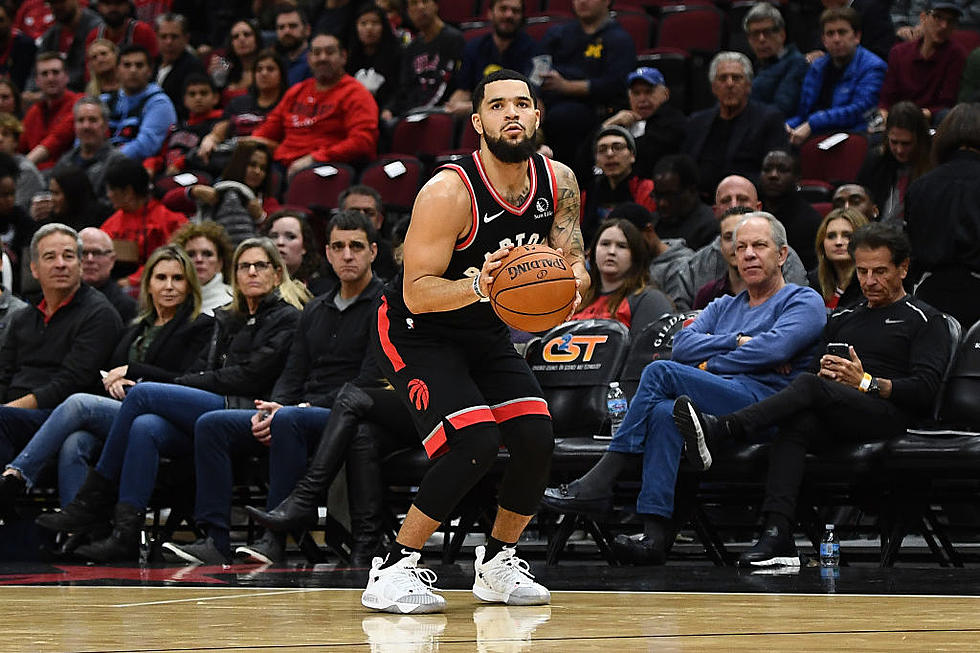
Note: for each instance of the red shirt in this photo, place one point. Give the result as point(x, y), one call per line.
point(51, 125)
point(143, 35)
point(34, 17)
point(338, 124)
point(931, 83)
point(149, 228)
point(599, 310)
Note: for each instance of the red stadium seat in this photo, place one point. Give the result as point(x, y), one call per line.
point(638, 25)
point(968, 38)
point(836, 165)
point(319, 186)
point(816, 190)
point(536, 26)
point(397, 184)
point(459, 11)
point(476, 32)
point(691, 27)
point(823, 208)
point(423, 134)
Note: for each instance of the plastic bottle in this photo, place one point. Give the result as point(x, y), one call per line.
point(615, 407)
point(146, 546)
point(829, 547)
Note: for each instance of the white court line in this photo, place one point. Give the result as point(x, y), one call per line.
point(216, 598)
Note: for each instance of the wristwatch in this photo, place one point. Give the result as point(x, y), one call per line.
point(873, 388)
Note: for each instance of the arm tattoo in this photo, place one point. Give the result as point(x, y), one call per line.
point(565, 232)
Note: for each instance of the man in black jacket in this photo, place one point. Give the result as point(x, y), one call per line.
point(57, 347)
point(328, 351)
point(884, 360)
point(176, 60)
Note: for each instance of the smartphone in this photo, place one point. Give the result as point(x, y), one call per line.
point(839, 349)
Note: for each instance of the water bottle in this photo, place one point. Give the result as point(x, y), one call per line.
point(829, 547)
point(146, 546)
point(615, 407)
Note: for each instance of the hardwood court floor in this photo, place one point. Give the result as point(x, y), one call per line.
point(239, 619)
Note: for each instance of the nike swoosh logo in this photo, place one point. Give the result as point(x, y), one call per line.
point(888, 321)
point(489, 218)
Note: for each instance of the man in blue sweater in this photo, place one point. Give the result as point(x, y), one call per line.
point(739, 350)
point(140, 113)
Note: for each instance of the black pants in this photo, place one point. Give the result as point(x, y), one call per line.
point(813, 413)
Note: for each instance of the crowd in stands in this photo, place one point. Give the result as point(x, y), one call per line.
point(151, 152)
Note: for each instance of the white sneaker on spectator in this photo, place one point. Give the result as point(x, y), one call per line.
point(402, 588)
point(506, 579)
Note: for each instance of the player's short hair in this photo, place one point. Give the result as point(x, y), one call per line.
point(497, 76)
point(879, 234)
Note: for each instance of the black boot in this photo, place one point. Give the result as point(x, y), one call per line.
point(298, 510)
point(365, 493)
point(123, 544)
point(12, 487)
point(91, 507)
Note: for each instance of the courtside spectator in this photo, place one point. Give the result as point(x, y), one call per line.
point(293, 236)
point(374, 55)
point(835, 277)
point(16, 49)
point(680, 211)
point(93, 153)
point(120, 28)
point(208, 247)
point(232, 71)
point(292, 36)
point(48, 123)
point(67, 35)
point(506, 46)
point(140, 221)
point(877, 34)
point(98, 257)
point(657, 127)
point(590, 58)
point(780, 68)
point(200, 101)
point(620, 290)
point(731, 282)
point(906, 15)
point(140, 113)
point(429, 64)
point(942, 218)
point(368, 201)
point(330, 117)
point(30, 180)
point(732, 136)
point(103, 67)
point(841, 87)
point(177, 60)
point(72, 201)
point(56, 348)
point(903, 157)
point(781, 197)
point(855, 196)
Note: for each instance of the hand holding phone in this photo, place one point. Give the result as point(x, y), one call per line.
point(839, 349)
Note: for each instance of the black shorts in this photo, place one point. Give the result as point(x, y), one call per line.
point(452, 376)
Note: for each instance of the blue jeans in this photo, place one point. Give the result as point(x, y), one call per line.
point(221, 434)
point(648, 427)
point(17, 426)
point(155, 419)
point(74, 432)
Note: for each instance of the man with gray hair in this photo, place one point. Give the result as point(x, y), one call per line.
point(53, 349)
point(93, 153)
point(733, 136)
point(780, 68)
point(739, 350)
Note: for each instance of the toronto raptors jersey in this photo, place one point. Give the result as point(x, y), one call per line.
point(494, 223)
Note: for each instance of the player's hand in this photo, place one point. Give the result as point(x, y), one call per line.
point(844, 371)
point(491, 263)
point(578, 284)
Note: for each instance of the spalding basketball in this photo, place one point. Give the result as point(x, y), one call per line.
point(533, 289)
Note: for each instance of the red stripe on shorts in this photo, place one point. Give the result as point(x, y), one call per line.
point(435, 445)
point(519, 408)
point(386, 344)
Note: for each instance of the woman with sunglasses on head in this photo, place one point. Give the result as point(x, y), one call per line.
point(247, 352)
point(167, 336)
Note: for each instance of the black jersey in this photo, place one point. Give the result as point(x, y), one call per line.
point(494, 223)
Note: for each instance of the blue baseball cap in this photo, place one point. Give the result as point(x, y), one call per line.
point(651, 76)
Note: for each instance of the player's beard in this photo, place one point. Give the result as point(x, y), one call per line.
point(511, 153)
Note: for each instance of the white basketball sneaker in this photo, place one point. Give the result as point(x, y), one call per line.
point(506, 579)
point(402, 588)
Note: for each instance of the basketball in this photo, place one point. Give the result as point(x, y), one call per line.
point(533, 289)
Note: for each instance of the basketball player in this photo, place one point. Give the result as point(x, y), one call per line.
point(450, 357)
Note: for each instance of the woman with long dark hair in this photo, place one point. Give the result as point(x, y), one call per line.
point(621, 289)
point(374, 56)
point(902, 158)
point(233, 72)
point(73, 202)
point(293, 236)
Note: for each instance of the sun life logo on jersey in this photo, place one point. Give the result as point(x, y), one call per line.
point(542, 209)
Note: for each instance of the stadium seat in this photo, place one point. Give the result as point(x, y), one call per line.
point(164, 185)
point(398, 184)
point(837, 165)
point(476, 32)
point(691, 27)
point(968, 38)
point(319, 186)
point(423, 134)
point(823, 208)
point(816, 190)
point(639, 26)
point(653, 343)
point(537, 26)
point(460, 11)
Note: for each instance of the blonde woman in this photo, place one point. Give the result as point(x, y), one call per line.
point(834, 275)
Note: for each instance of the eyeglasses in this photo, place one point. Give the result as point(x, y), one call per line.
point(762, 31)
point(611, 148)
point(95, 253)
point(356, 246)
point(260, 266)
point(203, 253)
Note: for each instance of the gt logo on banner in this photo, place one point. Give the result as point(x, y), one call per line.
point(566, 348)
